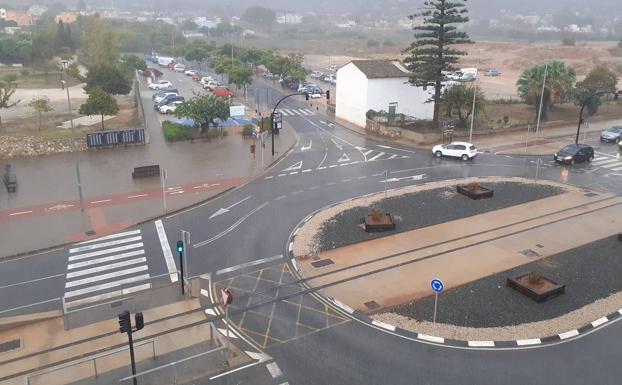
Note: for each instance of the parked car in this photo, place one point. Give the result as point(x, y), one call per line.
point(462, 150)
point(333, 67)
point(160, 85)
point(492, 72)
point(190, 72)
point(574, 153)
point(612, 134)
point(316, 74)
point(196, 77)
point(171, 107)
point(312, 90)
point(161, 93)
point(163, 96)
point(179, 68)
point(211, 84)
point(221, 91)
point(167, 100)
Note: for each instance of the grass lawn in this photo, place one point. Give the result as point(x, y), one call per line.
point(30, 78)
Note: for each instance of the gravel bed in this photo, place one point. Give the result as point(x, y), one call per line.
point(590, 272)
point(426, 208)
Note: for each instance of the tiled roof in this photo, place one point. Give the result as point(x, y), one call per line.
point(378, 69)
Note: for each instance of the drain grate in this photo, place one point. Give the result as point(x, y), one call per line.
point(10, 345)
point(372, 305)
point(590, 195)
point(530, 253)
point(322, 263)
point(90, 233)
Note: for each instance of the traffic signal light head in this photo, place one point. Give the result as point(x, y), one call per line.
point(124, 321)
point(139, 321)
point(327, 94)
point(180, 246)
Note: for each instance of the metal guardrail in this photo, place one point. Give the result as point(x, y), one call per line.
point(71, 364)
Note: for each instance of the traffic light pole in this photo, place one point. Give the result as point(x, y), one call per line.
point(181, 268)
point(129, 338)
point(274, 112)
point(585, 102)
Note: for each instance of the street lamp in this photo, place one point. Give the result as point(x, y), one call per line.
point(474, 95)
point(546, 69)
point(615, 96)
point(73, 136)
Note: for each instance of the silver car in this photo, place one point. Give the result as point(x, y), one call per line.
point(611, 134)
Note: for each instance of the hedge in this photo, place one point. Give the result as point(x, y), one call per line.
point(174, 132)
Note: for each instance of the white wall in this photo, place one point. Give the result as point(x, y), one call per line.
point(410, 100)
point(351, 95)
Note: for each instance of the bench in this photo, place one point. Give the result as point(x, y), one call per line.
point(146, 171)
point(10, 181)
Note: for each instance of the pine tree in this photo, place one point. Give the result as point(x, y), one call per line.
point(431, 53)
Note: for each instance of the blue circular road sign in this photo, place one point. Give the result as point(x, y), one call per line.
point(437, 285)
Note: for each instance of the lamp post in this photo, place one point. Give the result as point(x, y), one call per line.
point(474, 95)
point(73, 137)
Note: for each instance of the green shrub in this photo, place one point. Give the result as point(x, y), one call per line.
point(174, 132)
point(247, 130)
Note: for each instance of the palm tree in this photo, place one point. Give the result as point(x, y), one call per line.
point(559, 83)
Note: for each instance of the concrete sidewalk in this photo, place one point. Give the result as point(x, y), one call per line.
point(47, 193)
point(398, 268)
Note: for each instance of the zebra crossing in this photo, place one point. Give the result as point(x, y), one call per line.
point(612, 164)
point(295, 111)
point(105, 268)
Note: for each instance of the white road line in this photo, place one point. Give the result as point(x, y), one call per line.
point(104, 244)
point(288, 112)
point(109, 251)
point(346, 180)
point(307, 170)
point(339, 146)
point(103, 277)
point(332, 165)
point(308, 111)
point(106, 285)
point(281, 197)
point(291, 246)
point(568, 334)
point(274, 370)
point(297, 192)
point(532, 341)
point(331, 184)
point(224, 333)
point(111, 266)
point(314, 187)
point(31, 281)
point(293, 173)
point(367, 152)
point(204, 293)
point(231, 228)
point(137, 196)
point(210, 312)
point(112, 236)
point(248, 264)
point(599, 321)
point(280, 175)
point(383, 325)
point(375, 157)
point(270, 177)
point(482, 344)
point(362, 177)
point(283, 112)
point(166, 249)
point(355, 162)
point(101, 201)
point(21, 213)
point(602, 161)
point(426, 337)
point(112, 294)
point(616, 169)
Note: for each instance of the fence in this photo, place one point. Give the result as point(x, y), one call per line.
point(115, 137)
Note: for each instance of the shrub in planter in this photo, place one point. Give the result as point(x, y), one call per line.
point(174, 132)
point(247, 130)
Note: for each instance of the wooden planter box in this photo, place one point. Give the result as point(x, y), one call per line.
point(542, 290)
point(479, 193)
point(373, 225)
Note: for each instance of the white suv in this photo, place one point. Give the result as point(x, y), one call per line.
point(161, 85)
point(462, 150)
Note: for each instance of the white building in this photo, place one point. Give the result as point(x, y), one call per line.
point(289, 18)
point(364, 85)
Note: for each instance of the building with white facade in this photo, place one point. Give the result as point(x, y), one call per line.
point(364, 85)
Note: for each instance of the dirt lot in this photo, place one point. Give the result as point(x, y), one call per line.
point(511, 58)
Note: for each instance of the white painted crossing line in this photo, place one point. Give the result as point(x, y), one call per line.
point(283, 112)
point(112, 236)
point(107, 285)
point(104, 244)
point(111, 266)
point(601, 161)
point(248, 264)
point(103, 277)
point(287, 112)
point(307, 111)
point(375, 157)
point(109, 295)
point(274, 370)
point(166, 249)
point(108, 251)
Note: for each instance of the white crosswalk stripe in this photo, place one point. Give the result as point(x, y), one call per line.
point(295, 111)
point(601, 161)
point(105, 268)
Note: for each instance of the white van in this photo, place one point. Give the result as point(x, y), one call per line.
point(164, 61)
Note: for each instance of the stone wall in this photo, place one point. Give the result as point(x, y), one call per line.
point(13, 146)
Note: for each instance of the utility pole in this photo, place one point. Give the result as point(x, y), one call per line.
point(546, 68)
point(474, 95)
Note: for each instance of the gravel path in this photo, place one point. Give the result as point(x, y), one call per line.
point(427, 208)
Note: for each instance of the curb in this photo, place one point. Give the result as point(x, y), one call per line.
point(435, 340)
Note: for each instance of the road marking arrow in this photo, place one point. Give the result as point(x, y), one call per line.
point(393, 148)
point(295, 166)
point(406, 178)
point(227, 209)
point(308, 147)
point(339, 146)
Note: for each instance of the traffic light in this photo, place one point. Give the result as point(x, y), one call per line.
point(307, 96)
point(180, 246)
point(124, 322)
point(139, 321)
point(327, 94)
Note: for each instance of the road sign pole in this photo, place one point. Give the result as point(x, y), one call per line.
point(435, 303)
